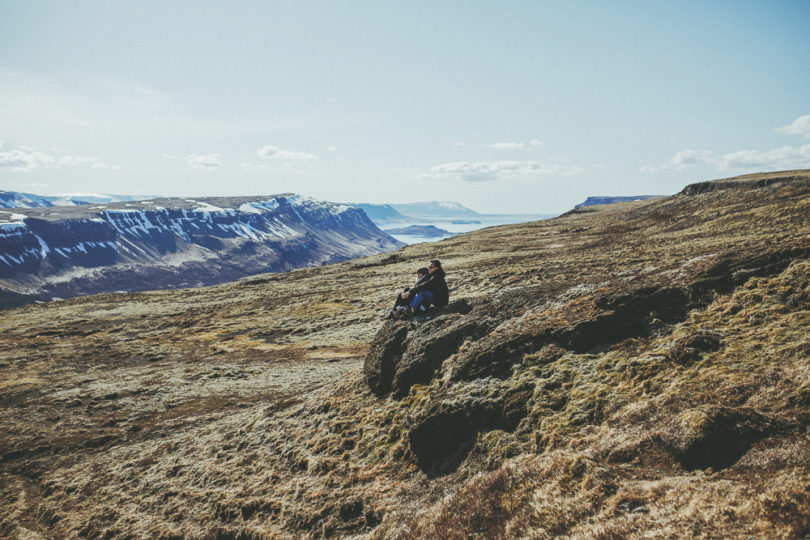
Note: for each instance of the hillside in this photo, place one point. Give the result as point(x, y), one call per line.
point(637, 369)
point(168, 243)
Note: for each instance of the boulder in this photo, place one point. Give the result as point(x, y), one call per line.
point(404, 353)
point(429, 345)
point(384, 356)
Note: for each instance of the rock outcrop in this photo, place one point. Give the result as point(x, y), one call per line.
point(405, 353)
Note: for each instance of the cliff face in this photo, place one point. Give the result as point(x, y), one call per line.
point(63, 252)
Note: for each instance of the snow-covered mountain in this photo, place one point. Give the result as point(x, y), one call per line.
point(400, 213)
point(165, 243)
point(16, 199)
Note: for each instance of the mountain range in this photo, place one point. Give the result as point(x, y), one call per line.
point(377, 212)
point(65, 251)
point(429, 210)
point(16, 199)
point(78, 244)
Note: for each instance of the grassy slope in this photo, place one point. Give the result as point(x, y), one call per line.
point(197, 412)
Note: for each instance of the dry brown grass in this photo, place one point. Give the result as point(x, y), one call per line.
point(238, 411)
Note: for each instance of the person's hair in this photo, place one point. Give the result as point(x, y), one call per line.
point(422, 271)
point(436, 263)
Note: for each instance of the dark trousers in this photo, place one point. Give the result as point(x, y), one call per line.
point(401, 301)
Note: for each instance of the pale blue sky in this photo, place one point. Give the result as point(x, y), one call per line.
point(503, 106)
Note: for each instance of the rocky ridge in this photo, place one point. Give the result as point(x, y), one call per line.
point(630, 370)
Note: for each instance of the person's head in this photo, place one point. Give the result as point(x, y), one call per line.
point(434, 265)
point(422, 271)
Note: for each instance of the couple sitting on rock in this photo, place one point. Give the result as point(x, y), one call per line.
point(430, 289)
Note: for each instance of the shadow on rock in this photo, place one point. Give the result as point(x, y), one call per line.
point(444, 435)
point(714, 437)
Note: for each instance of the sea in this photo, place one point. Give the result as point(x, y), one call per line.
point(456, 226)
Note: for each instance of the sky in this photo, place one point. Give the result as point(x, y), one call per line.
point(505, 107)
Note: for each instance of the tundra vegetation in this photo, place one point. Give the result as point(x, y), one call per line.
point(638, 369)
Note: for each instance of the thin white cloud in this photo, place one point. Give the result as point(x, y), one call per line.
point(516, 145)
point(487, 171)
point(25, 159)
point(274, 152)
point(690, 157)
point(800, 126)
point(786, 157)
point(204, 161)
point(508, 146)
point(682, 159)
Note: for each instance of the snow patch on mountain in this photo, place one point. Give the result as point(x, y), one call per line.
point(12, 217)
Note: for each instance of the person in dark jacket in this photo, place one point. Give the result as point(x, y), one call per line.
point(431, 291)
point(403, 300)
